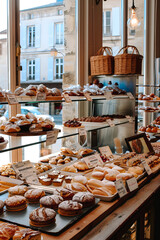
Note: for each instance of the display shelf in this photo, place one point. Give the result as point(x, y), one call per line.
point(21, 142)
point(73, 98)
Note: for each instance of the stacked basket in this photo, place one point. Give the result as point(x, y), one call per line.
point(121, 64)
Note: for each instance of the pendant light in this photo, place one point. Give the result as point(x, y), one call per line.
point(133, 22)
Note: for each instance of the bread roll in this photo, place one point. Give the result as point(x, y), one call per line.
point(79, 178)
point(97, 175)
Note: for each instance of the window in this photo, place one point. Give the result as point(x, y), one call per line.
point(31, 36)
point(59, 68)
point(59, 33)
point(132, 32)
point(107, 23)
point(60, 12)
point(31, 70)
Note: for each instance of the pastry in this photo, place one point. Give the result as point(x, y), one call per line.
point(7, 231)
point(85, 198)
point(69, 208)
point(66, 151)
point(119, 169)
point(32, 87)
point(61, 176)
point(57, 182)
point(81, 166)
point(76, 186)
point(135, 171)
point(70, 168)
point(19, 91)
point(42, 217)
point(101, 192)
point(68, 179)
point(36, 128)
point(34, 195)
point(51, 201)
point(98, 169)
point(27, 234)
point(80, 179)
point(13, 119)
point(42, 88)
point(97, 175)
point(124, 176)
point(17, 190)
point(45, 181)
point(53, 174)
point(24, 124)
point(1, 206)
point(66, 194)
point(110, 177)
point(16, 203)
point(110, 186)
point(72, 123)
point(30, 93)
point(12, 128)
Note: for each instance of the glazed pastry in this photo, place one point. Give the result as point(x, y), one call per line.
point(36, 128)
point(27, 234)
point(72, 123)
point(51, 201)
point(17, 190)
point(86, 199)
point(13, 119)
point(21, 116)
point(16, 203)
point(7, 230)
point(12, 128)
point(30, 93)
point(42, 88)
point(34, 195)
point(80, 179)
point(70, 208)
point(32, 87)
point(81, 166)
point(19, 91)
point(42, 217)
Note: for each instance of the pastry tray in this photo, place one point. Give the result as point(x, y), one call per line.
point(62, 222)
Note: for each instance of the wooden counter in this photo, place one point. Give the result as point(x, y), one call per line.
point(110, 218)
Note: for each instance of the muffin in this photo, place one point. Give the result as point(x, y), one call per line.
point(34, 195)
point(41, 217)
point(57, 182)
point(70, 208)
point(51, 201)
point(53, 174)
point(1, 206)
point(85, 198)
point(17, 190)
point(15, 203)
point(66, 194)
point(45, 181)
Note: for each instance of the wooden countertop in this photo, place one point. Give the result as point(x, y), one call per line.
point(108, 217)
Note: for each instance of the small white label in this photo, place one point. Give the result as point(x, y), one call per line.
point(12, 100)
point(82, 131)
point(67, 98)
point(51, 137)
point(120, 188)
point(105, 151)
point(111, 123)
point(130, 119)
point(87, 96)
point(130, 95)
point(25, 170)
point(93, 160)
point(132, 184)
point(108, 95)
point(147, 167)
point(41, 96)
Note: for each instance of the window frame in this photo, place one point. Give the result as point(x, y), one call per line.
point(32, 43)
point(105, 34)
point(60, 33)
point(31, 66)
point(59, 68)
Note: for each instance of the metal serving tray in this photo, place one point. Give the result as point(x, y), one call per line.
point(22, 218)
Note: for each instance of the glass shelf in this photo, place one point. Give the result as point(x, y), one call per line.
point(74, 99)
point(21, 142)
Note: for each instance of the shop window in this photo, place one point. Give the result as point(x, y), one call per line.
point(31, 70)
point(132, 32)
point(59, 68)
point(31, 36)
point(107, 23)
point(59, 33)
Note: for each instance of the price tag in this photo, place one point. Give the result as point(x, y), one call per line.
point(12, 100)
point(146, 167)
point(132, 184)
point(88, 97)
point(67, 98)
point(111, 123)
point(108, 95)
point(93, 160)
point(105, 151)
point(82, 131)
point(130, 95)
point(130, 119)
point(52, 137)
point(120, 188)
point(26, 171)
point(41, 96)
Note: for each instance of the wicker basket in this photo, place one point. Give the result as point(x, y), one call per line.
point(102, 64)
point(126, 63)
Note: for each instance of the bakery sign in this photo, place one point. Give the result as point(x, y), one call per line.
point(93, 160)
point(26, 171)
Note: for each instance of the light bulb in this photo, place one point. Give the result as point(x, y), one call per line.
point(133, 21)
